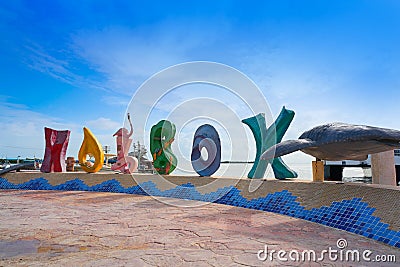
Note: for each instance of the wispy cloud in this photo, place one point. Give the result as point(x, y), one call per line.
point(116, 100)
point(22, 129)
point(59, 65)
point(127, 57)
point(104, 124)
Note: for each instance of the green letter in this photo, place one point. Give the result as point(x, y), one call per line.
point(161, 136)
point(265, 138)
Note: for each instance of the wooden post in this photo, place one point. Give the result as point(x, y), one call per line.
point(318, 170)
point(383, 168)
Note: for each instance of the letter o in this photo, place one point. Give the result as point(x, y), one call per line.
point(206, 137)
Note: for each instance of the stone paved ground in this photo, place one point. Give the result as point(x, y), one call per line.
point(58, 228)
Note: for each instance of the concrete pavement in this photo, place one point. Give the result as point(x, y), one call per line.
point(64, 228)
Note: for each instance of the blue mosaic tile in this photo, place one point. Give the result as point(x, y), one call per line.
point(352, 215)
point(72, 185)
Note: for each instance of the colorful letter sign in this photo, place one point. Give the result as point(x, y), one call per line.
point(56, 148)
point(265, 138)
point(206, 137)
point(161, 136)
point(92, 148)
point(125, 163)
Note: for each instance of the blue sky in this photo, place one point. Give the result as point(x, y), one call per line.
point(69, 64)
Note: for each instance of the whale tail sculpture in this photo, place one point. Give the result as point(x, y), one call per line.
point(339, 141)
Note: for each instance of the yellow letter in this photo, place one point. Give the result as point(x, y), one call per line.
point(90, 146)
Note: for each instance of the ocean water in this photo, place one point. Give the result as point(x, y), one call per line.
point(304, 171)
point(357, 175)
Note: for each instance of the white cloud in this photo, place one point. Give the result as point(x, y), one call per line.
point(22, 129)
point(116, 100)
point(104, 124)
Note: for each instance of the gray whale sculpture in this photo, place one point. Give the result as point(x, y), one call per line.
point(339, 141)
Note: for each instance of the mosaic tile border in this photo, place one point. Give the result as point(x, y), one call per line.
point(352, 215)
